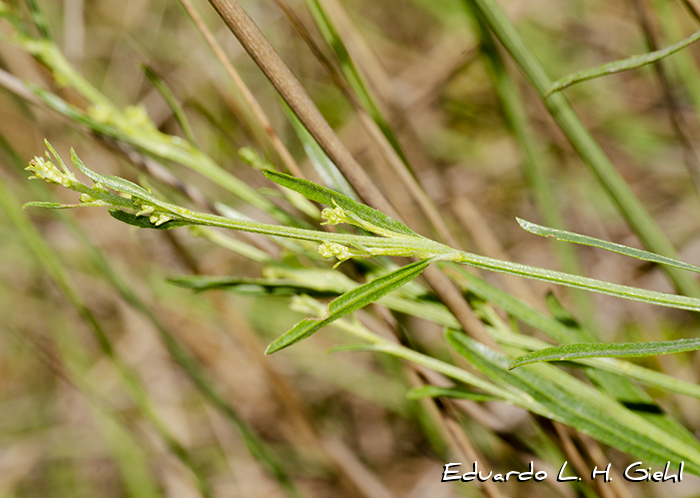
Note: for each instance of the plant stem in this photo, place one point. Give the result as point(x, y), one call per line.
point(583, 142)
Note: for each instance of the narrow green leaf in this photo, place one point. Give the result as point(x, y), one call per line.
point(448, 392)
point(576, 238)
point(622, 65)
point(49, 205)
point(578, 282)
point(349, 302)
point(606, 350)
point(580, 406)
point(143, 221)
point(332, 198)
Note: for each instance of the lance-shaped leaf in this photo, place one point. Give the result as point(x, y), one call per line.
point(332, 198)
point(606, 350)
point(349, 302)
point(576, 238)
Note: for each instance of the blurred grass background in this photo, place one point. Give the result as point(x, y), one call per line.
point(340, 424)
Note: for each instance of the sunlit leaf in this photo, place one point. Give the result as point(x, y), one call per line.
point(576, 238)
point(349, 302)
point(606, 350)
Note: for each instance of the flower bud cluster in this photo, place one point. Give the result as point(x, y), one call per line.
point(47, 171)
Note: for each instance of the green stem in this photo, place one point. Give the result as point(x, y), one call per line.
point(581, 139)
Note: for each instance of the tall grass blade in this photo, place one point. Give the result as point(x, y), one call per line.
point(448, 392)
point(353, 75)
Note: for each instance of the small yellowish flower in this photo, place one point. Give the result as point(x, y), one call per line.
point(146, 210)
point(335, 216)
point(159, 219)
point(47, 171)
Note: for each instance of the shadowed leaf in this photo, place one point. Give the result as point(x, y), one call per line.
point(448, 392)
point(143, 221)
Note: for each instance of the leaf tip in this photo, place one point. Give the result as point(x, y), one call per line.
point(274, 347)
point(269, 174)
point(524, 224)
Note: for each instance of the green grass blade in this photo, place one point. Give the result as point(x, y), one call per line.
point(349, 302)
point(606, 350)
point(576, 238)
point(622, 65)
point(332, 198)
point(646, 376)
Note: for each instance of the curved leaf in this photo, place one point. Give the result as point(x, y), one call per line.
point(622, 65)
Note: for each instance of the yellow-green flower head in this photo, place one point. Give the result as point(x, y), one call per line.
point(100, 113)
point(335, 216)
point(138, 116)
point(159, 219)
point(329, 249)
point(47, 171)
